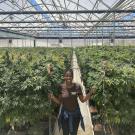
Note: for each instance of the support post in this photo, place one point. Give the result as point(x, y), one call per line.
point(92, 42)
point(71, 41)
point(102, 34)
point(96, 38)
point(47, 42)
point(114, 30)
point(34, 43)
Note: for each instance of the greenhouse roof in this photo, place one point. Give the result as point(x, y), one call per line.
point(67, 18)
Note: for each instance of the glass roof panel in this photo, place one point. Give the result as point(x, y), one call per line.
point(67, 22)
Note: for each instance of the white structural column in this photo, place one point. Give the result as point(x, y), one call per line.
point(83, 106)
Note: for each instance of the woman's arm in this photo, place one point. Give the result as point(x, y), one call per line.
point(84, 98)
point(88, 96)
point(54, 99)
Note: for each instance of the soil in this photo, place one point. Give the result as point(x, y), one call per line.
point(39, 128)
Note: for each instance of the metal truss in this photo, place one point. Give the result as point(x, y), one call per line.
point(76, 21)
point(65, 18)
point(67, 12)
point(90, 37)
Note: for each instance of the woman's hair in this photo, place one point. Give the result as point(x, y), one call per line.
point(69, 70)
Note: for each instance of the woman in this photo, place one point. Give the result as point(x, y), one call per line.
point(70, 115)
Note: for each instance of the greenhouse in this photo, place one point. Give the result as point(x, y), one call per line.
point(67, 67)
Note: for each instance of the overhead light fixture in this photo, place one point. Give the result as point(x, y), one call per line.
point(65, 25)
point(13, 1)
point(11, 17)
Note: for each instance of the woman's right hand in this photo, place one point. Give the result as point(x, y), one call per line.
point(50, 96)
point(53, 98)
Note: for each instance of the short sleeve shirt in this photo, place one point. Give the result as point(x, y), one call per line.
point(68, 96)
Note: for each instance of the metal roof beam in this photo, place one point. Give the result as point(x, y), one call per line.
point(90, 37)
point(73, 21)
point(108, 26)
point(75, 30)
point(67, 12)
point(98, 37)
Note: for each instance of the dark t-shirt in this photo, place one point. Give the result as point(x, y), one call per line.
point(68, 96)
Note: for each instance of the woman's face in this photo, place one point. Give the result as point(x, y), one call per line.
point(68, 77)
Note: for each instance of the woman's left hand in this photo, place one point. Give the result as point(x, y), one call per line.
point(93, 90)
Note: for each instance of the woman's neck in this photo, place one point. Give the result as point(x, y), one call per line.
point(68, 84)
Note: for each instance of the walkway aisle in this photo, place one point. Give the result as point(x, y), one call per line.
point(83, 106)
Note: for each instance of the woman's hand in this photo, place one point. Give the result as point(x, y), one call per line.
point(53, 98)
point(50, 96)
point(49, 69)
point(93, 90)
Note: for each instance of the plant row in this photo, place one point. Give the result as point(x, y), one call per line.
point(26, 76)
point(112, 71)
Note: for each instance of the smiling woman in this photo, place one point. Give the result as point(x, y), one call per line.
point(70, 115)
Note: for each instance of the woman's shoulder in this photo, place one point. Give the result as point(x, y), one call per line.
point(78, 88)
point(59, 85)
point(59, 88)
point(77, 85)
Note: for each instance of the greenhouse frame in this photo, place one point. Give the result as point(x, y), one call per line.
point(67, 67)
point(90, 21)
